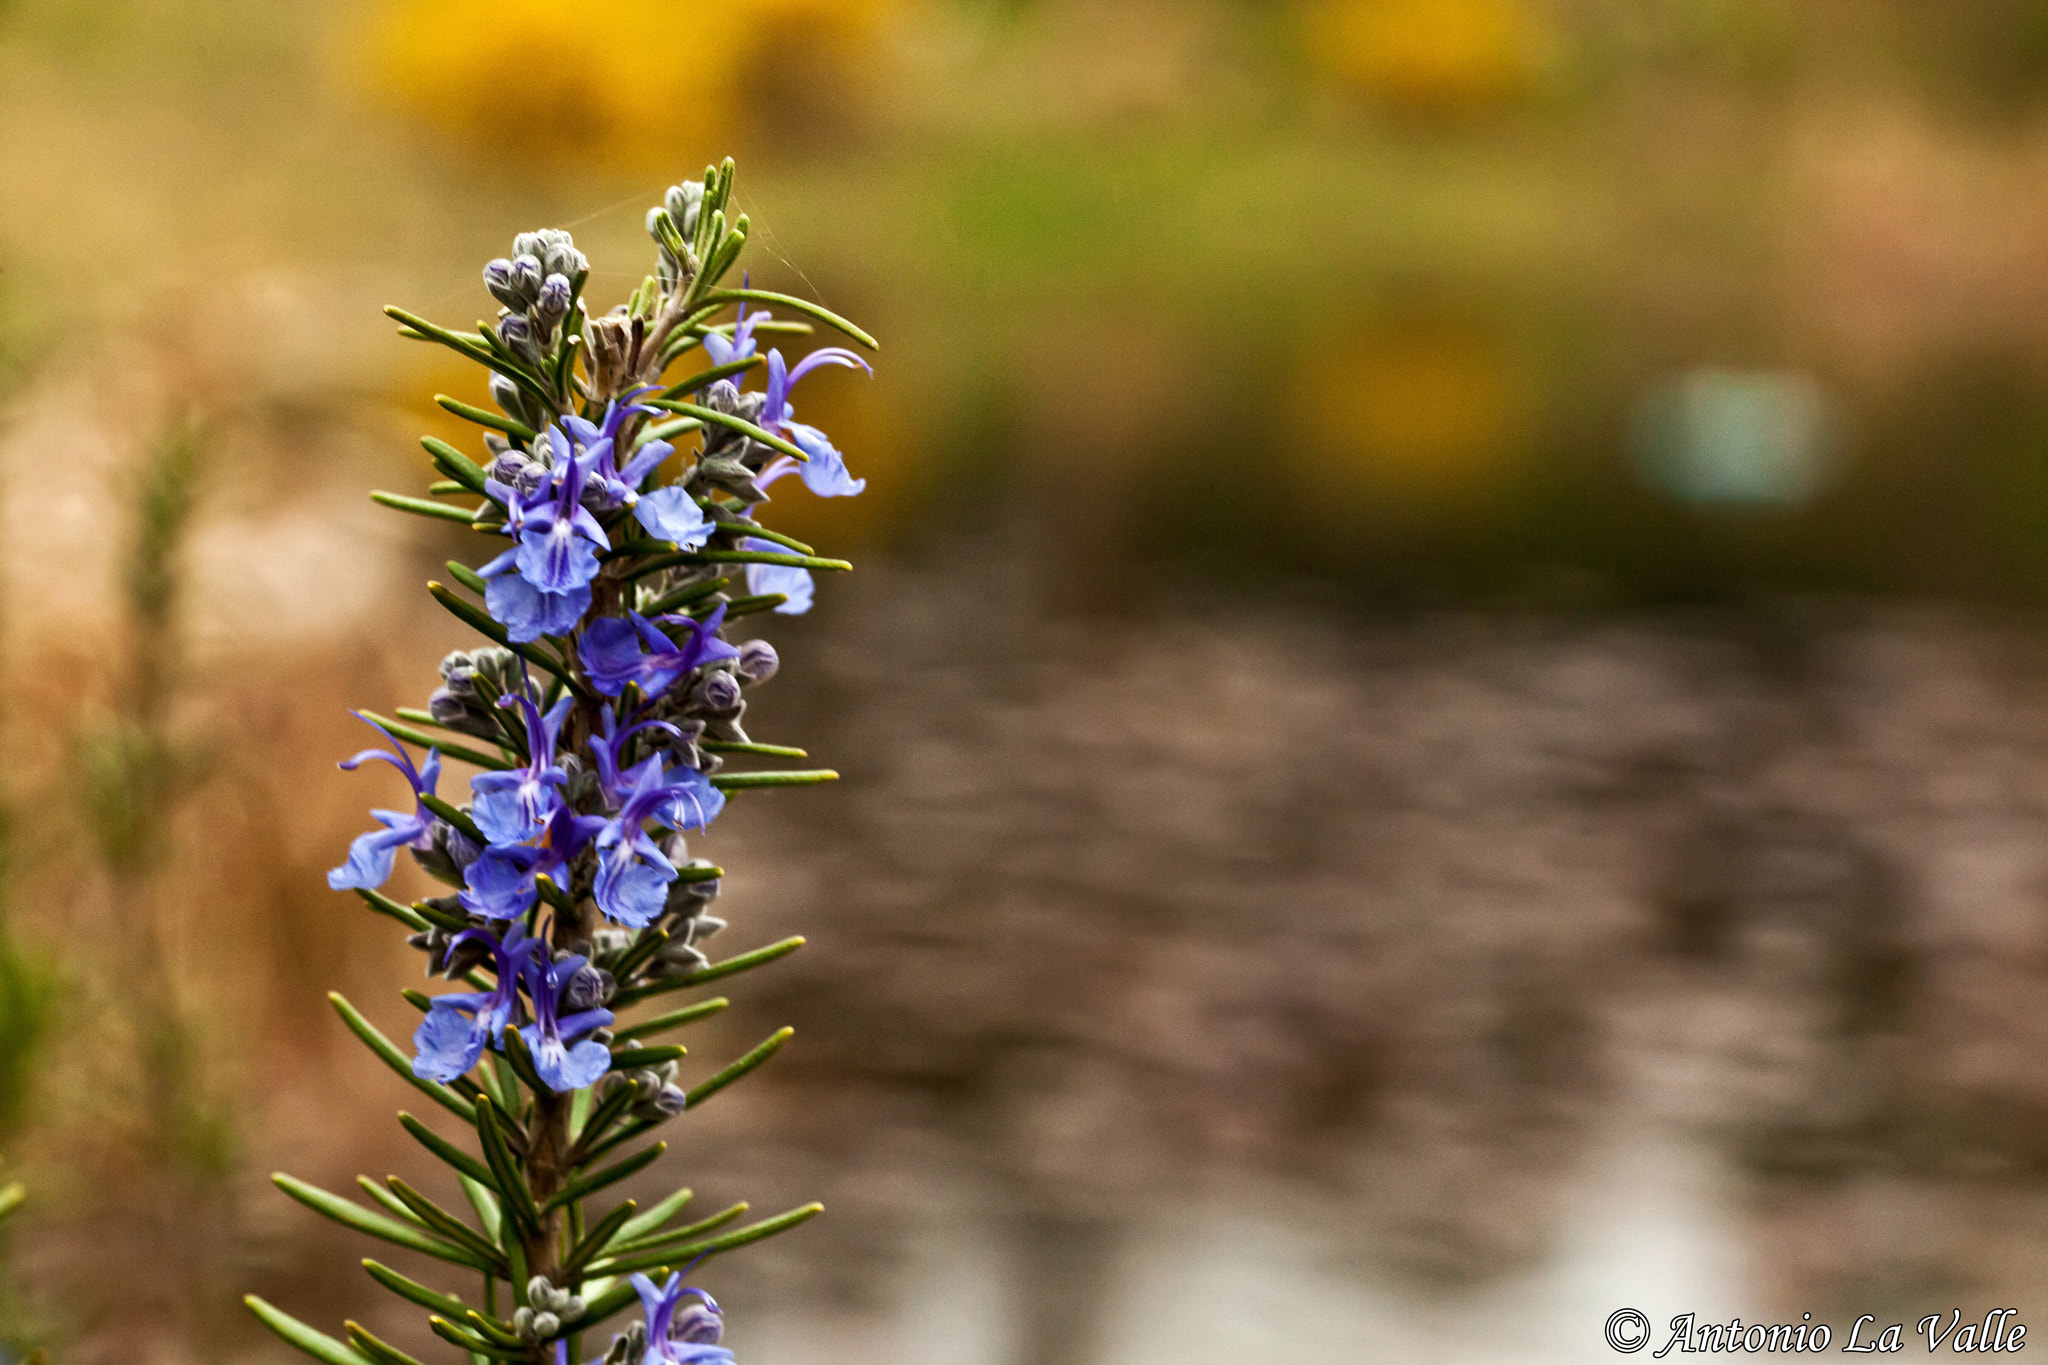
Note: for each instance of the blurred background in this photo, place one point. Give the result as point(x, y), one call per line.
point(1445, 711)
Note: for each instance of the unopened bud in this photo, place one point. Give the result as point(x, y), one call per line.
point(758, 661)
point(552, 303)
point(498, 279)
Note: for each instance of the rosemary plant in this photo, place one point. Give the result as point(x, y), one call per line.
point(602, 714)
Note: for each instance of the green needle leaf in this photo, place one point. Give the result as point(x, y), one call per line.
point(675, 1019)
point(413, 1290)
point(353, 1215)
point(384, 905)
point(454, 463)
point(720, 746)
point(683, 1234)
point(441, 1147)
point(462, 822)
point(719, 298)
point(767, 1048)
point(485, 418)
point(598, 1238)
point(586, 1185)
point(510, 1185)
point(641, 1224)
point(679, 1256)
point(470, 1341)
point(443, 1222)
point(722, 419)
point(370, 1345)
point(318, 1345)
point(744, 962)
point(711, 376)
point(388, 1053)
point(794, 777)
point(461, 752)
point(421, 507)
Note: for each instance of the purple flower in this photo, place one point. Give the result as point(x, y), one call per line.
point(612, 653)
point(511, 807)
point(824, 472)
point(550, 1037)
point(526, 612)
point(457, 1027)
point(632, 872)
point(667, 513)
point(541, 586)
point(370, 855)
point(741, 346)
point(794, 583)
point(689, 1337)
point(499, 885)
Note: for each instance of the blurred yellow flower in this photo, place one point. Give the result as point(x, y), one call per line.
point(1435, 55)
point(622, 81)
point(1413, 412)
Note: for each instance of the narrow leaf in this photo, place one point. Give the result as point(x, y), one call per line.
point(674, 1258)
point(794, 777)
point(674, 1019)
point(470, 1341)
point(643, 1223)
point(353, 1215)
point(318, 1345)
point(767, 1048)
point(600, 1236)
point(376, 1349)
point(460, 752)
point(636, 1058)
point(583, 1186)
point(683, 1234)
point(384, 905)
point(423, 508)
point(485, 418)
point(462, 822)
point(719, 298)
point(714, 417)
point(511, 1185)
point(721, 746)
point(414, 1291)
point(448, 1151)
point(388, 1053)
point(445, 1223)
point(467, 577)
point(744, 962)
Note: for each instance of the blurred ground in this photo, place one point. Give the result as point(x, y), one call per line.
point(1443, 710)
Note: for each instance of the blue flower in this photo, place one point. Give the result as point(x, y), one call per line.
point(511, 807)
point(457, 1027)
point(689, 1337)
point(549, 1036)
point(668, 513)
point(633, 873)
point(555, 558)
point(526, 612)
point(370, 855)
point(794, 583)
point(824, 472)
point(500, 883)
point(741, 346)
point(612, 653)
